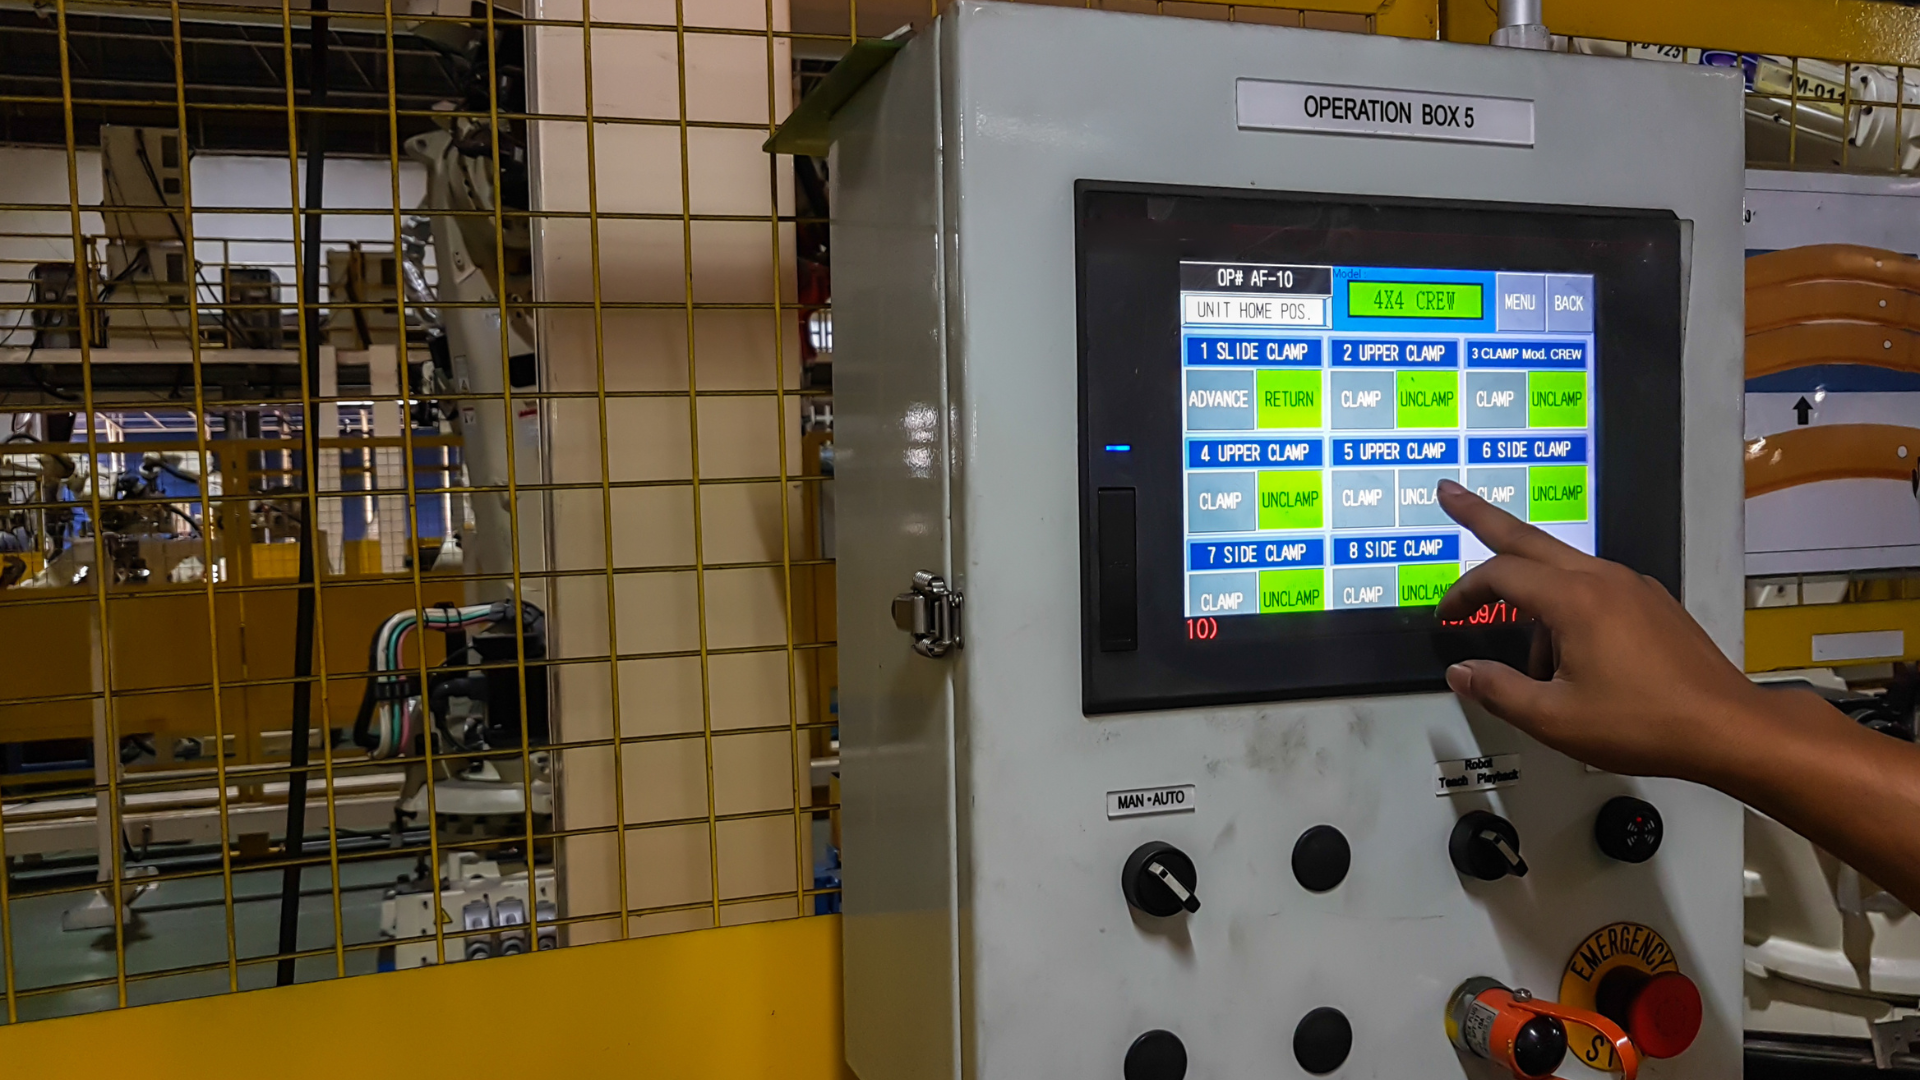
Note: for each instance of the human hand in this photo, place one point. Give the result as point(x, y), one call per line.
point(1621, 676)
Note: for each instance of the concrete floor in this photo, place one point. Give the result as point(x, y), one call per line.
point(183, 923)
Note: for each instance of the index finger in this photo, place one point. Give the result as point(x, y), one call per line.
point(1536, 588)
point(1504, 533)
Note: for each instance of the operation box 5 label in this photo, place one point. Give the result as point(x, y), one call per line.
point(1274, 105)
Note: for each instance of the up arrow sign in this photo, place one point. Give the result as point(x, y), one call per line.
point(1801, 410)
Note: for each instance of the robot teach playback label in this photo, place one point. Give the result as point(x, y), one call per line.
point(1323, 405)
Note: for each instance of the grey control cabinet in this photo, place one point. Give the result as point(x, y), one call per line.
point(986, 935)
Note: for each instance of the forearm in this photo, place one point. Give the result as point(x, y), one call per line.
point(1852, 791)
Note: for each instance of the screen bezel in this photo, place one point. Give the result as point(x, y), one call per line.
point(1129, 241)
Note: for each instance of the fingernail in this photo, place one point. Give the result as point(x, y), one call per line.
point(1451, 486)
point(1460, 679)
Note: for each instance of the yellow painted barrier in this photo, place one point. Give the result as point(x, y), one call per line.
point(1864, 31)
point(755, 1002)
point(1782, 638)
point(362, 557)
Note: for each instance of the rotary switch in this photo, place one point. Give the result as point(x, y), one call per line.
point(1159, 880)
point(1486, 846)
point(1524, 1036)
point(1628, 829)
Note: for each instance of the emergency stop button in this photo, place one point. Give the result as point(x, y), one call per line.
point(1629, 974)
point(1661, 1013)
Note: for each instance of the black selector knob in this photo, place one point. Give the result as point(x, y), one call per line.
point(1486, 846)
point(1322, 1041)
point(1629, 829)
point(1159, 879)
point(1321, 858)
point(1157, 1055)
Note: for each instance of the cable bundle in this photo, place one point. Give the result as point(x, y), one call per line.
point(389, 718)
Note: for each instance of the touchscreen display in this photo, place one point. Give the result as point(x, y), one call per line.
point(1272, 387)
point(1322, 405)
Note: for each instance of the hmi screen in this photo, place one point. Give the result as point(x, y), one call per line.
point(1322, 406)
point(1272, 386)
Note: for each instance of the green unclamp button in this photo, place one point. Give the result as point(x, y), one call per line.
point(1291, 499)
point(1423, 585)
point(1557, 399)
point(1293, 590)
point(1427, 399)
point(1288, 399)
point(1557, 493)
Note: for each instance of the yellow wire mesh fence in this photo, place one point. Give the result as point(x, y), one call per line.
point(416, 514)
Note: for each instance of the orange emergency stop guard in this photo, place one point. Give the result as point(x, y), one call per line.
point(1522, 1034)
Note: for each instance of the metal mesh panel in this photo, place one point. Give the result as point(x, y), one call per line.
point(502, 454)
point(415, 512)
point(1805, 112)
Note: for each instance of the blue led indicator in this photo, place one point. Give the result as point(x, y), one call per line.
point(1119, 447)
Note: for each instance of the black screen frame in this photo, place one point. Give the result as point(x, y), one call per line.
point(1129, 241)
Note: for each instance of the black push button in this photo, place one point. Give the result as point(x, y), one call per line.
point(1119, 571)
point(1628, 829)
point(1322, 1041)
point(1539, 1046)
point(1159, 880)
point(1321, 858)
point(1486, 846)
point(1157, 1055)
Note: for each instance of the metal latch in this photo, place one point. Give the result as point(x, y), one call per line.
point(931, 613)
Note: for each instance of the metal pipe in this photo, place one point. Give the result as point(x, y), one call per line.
point(1521, 13)
point(304, 603)
point(1522, 26)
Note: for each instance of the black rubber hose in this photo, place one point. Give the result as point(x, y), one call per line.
point(363, 736)
point(304, 611)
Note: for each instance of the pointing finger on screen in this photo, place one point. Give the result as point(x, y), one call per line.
point(1504, 533)
point(1533, 587)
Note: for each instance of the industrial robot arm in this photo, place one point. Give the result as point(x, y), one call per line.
point(390, 719)
point(1624, 679)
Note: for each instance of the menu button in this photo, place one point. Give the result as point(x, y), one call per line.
point(1521, 302)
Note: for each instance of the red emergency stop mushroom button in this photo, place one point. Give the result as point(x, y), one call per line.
point(1661, 1012)
point(1665, 1016)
